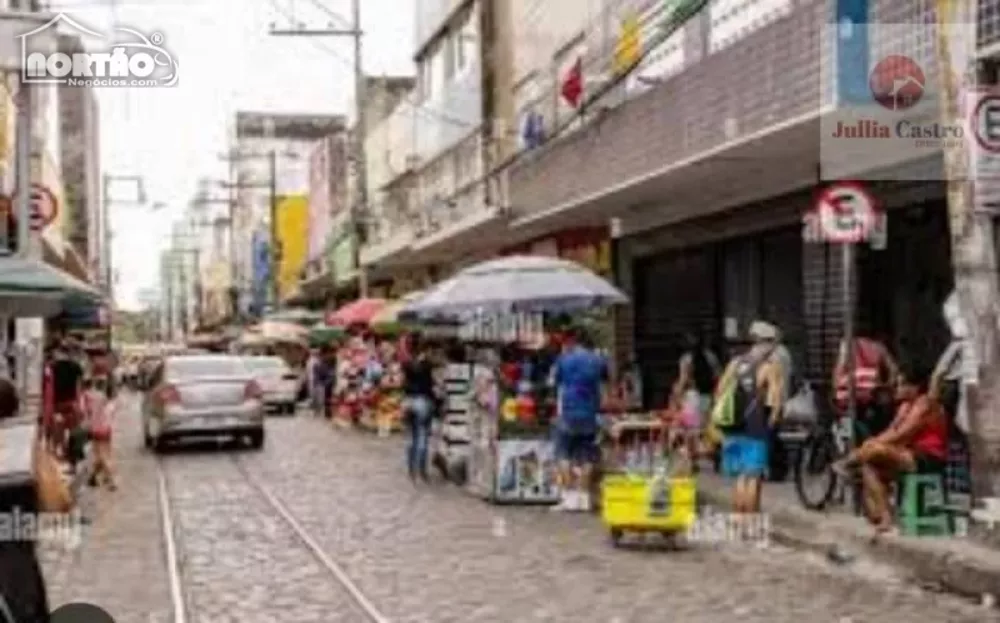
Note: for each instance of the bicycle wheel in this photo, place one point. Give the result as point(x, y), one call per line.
point(815, 480)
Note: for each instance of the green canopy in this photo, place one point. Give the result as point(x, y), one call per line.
point(321, 334)
point(18, 274)
point(296, 315)
point(30, 287)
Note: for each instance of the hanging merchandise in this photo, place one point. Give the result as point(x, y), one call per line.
point(572, 84)
point(628, 49)
point(532, 130)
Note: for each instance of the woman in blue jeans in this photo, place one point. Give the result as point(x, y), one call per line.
point(418, 408)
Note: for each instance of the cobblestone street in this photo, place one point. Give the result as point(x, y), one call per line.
point(419, 553)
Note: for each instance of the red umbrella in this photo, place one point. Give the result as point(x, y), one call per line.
point(360, 311)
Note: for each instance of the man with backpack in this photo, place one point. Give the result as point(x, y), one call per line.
point(749, 400)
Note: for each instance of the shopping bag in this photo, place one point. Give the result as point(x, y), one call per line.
point(801, 409)
point(724, 410)
point(53, 492)
point(691, 410)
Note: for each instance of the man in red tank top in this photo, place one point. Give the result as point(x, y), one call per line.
point(916, 440)
point(875, 373)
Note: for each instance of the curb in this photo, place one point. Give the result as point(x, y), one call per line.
point(961, 568)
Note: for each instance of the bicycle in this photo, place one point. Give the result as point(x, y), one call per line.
point(829, 441)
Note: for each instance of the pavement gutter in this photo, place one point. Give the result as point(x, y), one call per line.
point(956, 565)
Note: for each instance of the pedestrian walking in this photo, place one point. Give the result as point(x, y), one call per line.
point(418, 407)
point(100, 423)
point(580, 376)
point(67, 385)
point(749, 401)
point(697, 375)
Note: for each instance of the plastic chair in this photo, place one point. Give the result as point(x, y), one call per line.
point(922, 508)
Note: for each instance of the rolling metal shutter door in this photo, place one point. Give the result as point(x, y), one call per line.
point(781, 288)
point(676, 293)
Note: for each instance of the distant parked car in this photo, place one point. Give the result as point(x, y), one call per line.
point(202, 396)
point(279, 383)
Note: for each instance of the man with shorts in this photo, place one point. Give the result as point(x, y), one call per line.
point(580, 376)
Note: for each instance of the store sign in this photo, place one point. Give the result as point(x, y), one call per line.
point(591, 248)
point(343, 259)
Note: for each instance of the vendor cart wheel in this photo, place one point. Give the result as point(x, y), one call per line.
point(673, 539)
point(616, 537)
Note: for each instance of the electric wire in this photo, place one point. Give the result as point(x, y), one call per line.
point(428, 113)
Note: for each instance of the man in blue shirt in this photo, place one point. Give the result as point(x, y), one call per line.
point(579, 375)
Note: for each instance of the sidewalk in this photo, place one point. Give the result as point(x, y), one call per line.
point(118, 562)
point(959, 565)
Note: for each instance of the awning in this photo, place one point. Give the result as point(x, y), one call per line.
point(481, 228)
point(30, 287)
point(737, 173)
point(70, 262)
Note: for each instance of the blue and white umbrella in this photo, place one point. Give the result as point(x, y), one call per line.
point(518, 283)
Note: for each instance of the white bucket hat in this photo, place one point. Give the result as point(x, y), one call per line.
point(760, 330)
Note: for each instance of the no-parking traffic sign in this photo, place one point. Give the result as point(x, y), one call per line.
point(845, 213)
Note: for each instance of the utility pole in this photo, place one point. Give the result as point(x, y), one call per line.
point(22, 169)
point(973, 257)
point(359, 208)
point(272, 188)
point(276, 250)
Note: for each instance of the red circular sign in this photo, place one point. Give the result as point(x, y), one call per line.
point(897, 82)
point(847, 213)
point(985, 122)
point(44, 207)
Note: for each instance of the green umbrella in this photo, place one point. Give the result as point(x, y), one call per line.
point(320, 334)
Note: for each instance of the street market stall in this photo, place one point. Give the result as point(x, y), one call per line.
point(504, 305)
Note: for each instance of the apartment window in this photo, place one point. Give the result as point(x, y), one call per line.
point(451, 56)
point(427, 76)
point(466, 44)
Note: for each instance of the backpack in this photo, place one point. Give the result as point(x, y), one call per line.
point(740, 397)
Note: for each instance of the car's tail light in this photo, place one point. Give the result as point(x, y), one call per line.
point(253, 391)
point(168, 395)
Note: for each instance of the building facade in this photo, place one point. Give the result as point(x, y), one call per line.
point(79, 125)
point(291, 139)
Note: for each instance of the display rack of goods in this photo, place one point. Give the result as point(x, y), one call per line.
point(388, 414)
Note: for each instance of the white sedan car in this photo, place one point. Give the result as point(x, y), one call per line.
point(278, 382)
point(202, 396)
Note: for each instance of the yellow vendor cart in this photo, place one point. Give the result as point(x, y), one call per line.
point(641, 491)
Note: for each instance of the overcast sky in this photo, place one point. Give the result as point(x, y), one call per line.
point(228, 62)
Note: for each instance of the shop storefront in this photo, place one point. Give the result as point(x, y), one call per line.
point(342, 264)
point(714, 276)
point(711, 277)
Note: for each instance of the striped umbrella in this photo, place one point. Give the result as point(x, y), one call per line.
point(357, 312)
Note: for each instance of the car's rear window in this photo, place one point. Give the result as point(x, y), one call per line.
point(266, 364)
point(207, 367)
